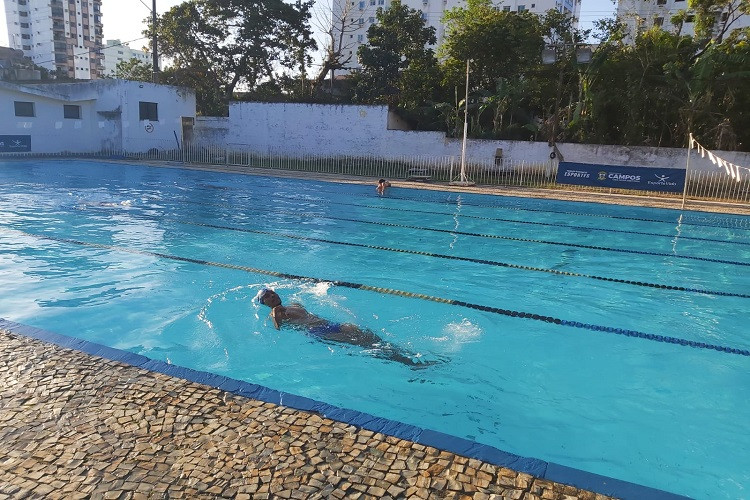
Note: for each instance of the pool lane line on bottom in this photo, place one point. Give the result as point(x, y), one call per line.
point(542, 469)
point(402, 293)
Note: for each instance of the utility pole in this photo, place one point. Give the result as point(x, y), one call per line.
point(155, 52)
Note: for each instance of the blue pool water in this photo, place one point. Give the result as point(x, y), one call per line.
point(127, 256)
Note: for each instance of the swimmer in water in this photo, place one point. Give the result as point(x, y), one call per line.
point(382, 184)
point(296, 316)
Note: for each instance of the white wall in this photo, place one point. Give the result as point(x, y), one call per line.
point(49, 130)
point(328, 130)
point(110, 115)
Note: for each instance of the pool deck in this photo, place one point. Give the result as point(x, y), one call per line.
point(75, 425)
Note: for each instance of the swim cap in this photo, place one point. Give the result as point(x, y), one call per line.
point(262, 293)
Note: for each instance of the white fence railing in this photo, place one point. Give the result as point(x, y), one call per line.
point(502, 172)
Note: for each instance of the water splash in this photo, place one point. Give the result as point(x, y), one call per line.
point(455, 334)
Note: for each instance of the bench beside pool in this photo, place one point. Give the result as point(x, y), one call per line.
point(418, 174)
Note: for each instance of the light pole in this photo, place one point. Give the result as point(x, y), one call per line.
point(463, 180)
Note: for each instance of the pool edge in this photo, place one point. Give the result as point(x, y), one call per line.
point(459, 446)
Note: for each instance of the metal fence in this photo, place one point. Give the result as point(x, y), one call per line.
point(701, 185)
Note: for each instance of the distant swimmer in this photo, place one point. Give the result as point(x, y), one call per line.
point(382, 184)
point(297, 317)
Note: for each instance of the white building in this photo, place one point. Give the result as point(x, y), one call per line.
point(95, 116)
point(352, 18)
point(116, 52)
point(641, 15)
point(61, 35)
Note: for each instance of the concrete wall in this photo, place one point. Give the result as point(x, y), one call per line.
point(326, 130)
point(109, 115)
point(49, 130)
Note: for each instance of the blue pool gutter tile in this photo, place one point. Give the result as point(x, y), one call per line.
point(606, 485)
point(457, 445)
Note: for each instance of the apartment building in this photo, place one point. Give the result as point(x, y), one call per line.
point(116, 52)
point(60, 35)
point(641, 15)
point(352, 18)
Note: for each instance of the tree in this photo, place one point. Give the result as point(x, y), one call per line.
point(218, 46)
point(714, 18)
point(398, 67)
point(501, 44)
point(133, 70)
point(505, 48)
point(337, 53)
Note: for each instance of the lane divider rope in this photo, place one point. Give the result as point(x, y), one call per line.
point(557, 243)
point(451, 257)
point(495, 219)
point(450, 201)
point(401, 293)
point(470, 259)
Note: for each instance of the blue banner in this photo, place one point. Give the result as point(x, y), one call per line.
point(15, 143)
point(670, 180)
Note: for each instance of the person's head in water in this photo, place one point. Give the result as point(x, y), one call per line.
point(268, 297)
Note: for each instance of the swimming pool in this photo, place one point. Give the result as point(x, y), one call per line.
point(606, 338)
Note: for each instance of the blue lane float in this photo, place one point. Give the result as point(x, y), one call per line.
point(453, 444)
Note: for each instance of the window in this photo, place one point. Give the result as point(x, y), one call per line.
point(506, 8)
point(661, 2)
point(659, 21)
point(148, 111)
point(690, 18)
point(72, 111)
point(360, 38)
point(521, 8)
point(24, 108)
point(372, 20)
point(381, 2)
point(360, 21)
point(361, 5)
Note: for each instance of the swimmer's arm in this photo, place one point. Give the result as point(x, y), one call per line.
point(274, 316)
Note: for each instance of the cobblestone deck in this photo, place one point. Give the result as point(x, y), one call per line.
point(78, 426)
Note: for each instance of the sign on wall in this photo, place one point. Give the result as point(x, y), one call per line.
point(643, 178)
point(15, 143)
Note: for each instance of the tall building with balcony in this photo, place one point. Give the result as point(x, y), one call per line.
point(64, 36)
point(352, 18)
point(641, 15)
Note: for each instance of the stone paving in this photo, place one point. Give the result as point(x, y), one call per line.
point(78, 426)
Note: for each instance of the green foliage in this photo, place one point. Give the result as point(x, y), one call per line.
point(219, 45)
point(653, 91)
point(501, 44)
point(134, 70)
point(398, 67)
